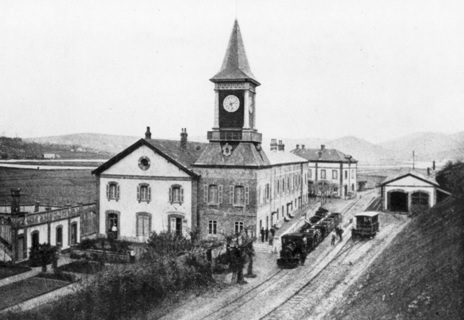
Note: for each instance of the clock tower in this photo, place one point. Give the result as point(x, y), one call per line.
point(235, 90)
point(234, 140)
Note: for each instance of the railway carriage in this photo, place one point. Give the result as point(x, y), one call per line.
point(367, 224)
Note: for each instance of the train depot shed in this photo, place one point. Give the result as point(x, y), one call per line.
point(409, 192)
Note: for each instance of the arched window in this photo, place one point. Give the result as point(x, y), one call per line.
point(59, 236)
point(35, 239)
point(420, 198)
point(144, 192)
point(112, 191)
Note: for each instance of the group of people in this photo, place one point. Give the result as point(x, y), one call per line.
point(338, 232)
point(265, 235)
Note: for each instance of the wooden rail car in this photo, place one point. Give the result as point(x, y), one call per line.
point(367, 224)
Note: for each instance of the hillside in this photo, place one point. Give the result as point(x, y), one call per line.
point(427, 146)
point(104, 142)
point(17, 148)
point(420, 276)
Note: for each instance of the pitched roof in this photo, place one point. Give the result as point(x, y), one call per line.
point(411, 173)
point(171, 150)
point(327, 155)
point(277, 157)
point(243, 155)
point(235, 65)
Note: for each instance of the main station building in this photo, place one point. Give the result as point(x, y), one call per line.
point(220, 187)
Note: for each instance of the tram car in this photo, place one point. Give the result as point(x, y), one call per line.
point(367, 225)
point(294, 245)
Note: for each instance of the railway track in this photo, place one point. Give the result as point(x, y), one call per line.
point(284, 287)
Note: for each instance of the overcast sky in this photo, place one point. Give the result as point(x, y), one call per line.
point(373, 69)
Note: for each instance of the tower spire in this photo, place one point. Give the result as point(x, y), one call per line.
point(235, 65)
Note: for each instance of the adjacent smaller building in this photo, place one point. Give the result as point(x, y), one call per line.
point(409, 192)
point(23, 227)
point(330, 171)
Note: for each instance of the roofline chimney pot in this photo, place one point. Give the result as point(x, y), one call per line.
point(148, 133)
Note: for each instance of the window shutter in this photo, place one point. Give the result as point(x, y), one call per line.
point(108, 191)
point(247, 195)
point(220, 193)
point(149, 194)
point(170, 195)
point(205, 193)
point(138, 193)
point(259, 195)
point(231, 195)
point(181, 195)
point(117, 192)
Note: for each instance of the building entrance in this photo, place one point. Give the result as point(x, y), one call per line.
point(398, 201)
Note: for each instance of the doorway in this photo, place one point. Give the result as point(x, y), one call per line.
point(398, 201)
point(176, 225)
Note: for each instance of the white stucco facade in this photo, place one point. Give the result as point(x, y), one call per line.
point(137, 217)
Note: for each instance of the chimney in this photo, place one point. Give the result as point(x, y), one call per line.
point(37, 206)
point(433, 165)
point(273, 144)
point(322, 147)
point(281, 146)
point(148, 133)
point(15, 200)
point(297, 146)
point(183, 138)
point(302, 146)
point(428, 172)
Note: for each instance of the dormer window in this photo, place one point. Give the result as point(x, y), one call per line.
point(143, 192)
point(112, 191)
point(176, 194)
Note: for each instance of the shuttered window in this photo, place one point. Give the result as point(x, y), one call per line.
point(143, 192)
point(112, 191)
point(176, 194)
point(143, 225)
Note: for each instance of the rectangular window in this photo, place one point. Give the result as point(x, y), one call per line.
point(352, 174)
point(346, 174)
point(213, 194)
point(212, 227)
point(143, 193)
point(268, 193)
point(143, 225)
point(323, 174)
point(176, 194)
point(310, 174)
point(334, 174)
point(239, 196)
point(112, 191)
point(238, 227)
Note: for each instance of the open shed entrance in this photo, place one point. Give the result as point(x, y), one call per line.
point(398, 201)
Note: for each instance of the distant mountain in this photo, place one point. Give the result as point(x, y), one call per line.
point(360, 149)
point(427, 146)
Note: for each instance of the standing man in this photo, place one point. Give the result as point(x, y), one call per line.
point(271, 240)
point(262, 234)
point(267, 233)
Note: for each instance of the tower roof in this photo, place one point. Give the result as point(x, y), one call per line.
point(235, 66)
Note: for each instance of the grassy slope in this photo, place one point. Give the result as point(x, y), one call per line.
point(56, 186)
point(420, 276)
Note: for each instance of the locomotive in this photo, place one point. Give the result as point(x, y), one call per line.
point(295, 246)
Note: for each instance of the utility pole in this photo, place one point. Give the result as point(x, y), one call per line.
point(413, 160)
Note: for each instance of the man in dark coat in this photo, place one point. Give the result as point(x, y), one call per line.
point(271, 240)
point(262, 234)
point(267, 233)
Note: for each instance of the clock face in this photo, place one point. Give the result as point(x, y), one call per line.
point(231, 103)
